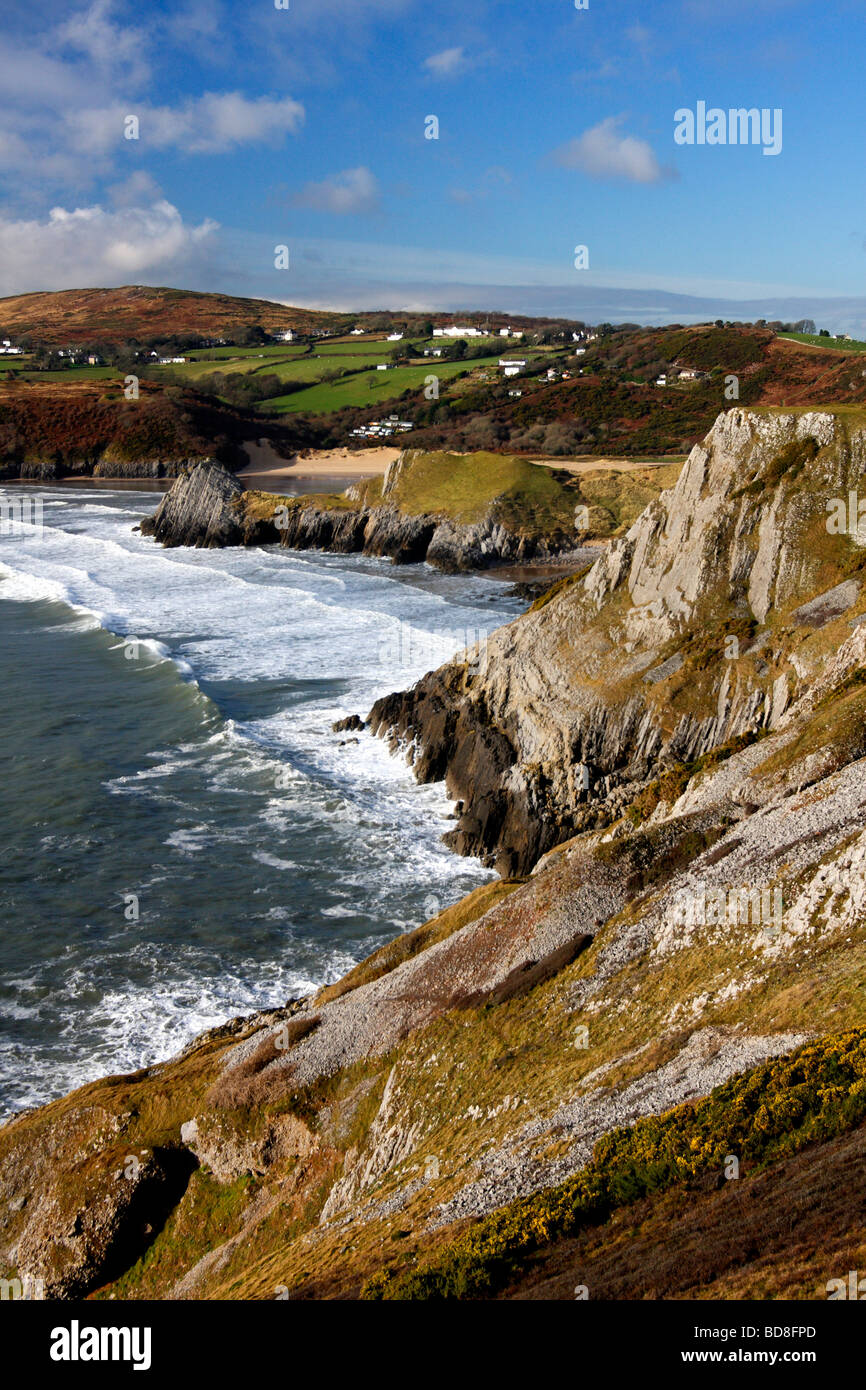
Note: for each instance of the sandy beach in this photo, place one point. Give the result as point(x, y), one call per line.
point(591, 463)
point(316, 463)
point(266, 467)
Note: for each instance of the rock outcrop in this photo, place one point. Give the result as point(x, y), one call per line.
point(687, 633)
point(206, 506)
point(408, 539)
point(695, 927)
point(200, 509)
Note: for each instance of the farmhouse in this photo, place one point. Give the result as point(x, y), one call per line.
point(456, 331)
point(512, 365)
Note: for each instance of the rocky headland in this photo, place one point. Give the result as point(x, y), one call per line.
point(458, 513)
point(542, 1085)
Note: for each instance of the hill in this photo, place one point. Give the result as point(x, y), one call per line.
point(609, 401)
point(141, 312)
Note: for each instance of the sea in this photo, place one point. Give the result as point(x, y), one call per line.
point(183, 837)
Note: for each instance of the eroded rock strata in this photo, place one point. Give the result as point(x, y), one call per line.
point(688, 634)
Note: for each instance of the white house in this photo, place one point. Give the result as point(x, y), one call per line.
point(382, 367)
point(288, 336)
point(395, 337)
point(456, 331)
point(579, 352)
point(355, 333)
point(662, 380)
point(512, 365)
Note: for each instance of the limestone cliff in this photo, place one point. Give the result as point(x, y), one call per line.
point(199, 510)
point(694, 629)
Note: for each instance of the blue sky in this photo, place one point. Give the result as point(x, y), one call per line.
point(305, 126)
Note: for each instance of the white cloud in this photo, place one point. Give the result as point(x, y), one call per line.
point(352, 191)
point(107, 45)
point(210, 124)
point(604, 153)
point(448, 63)
point(137, 190)
point(94, 246)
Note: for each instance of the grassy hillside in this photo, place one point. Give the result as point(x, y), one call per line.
point(527, 496)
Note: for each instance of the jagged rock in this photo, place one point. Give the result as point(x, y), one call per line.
point(199, 510)
point(206, 507)
point(351, 722)
point(577, 704)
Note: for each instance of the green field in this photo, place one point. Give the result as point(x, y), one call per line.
point(77, 374)
point(815, 340)
point(358, 347)
point(367, 388)
point(221, 353)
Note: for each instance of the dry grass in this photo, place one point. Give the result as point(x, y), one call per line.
point(245, 1085)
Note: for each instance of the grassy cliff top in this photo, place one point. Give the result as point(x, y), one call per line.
point(526, 497)
point(464, 486)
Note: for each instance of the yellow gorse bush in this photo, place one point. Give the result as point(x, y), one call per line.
point(773, 1110)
